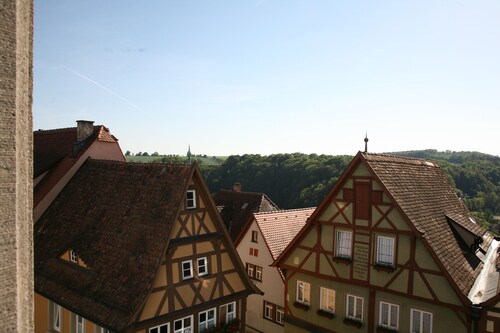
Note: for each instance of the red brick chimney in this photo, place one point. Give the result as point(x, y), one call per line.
point(236, 187)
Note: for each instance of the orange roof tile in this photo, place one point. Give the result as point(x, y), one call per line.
point(280, 227)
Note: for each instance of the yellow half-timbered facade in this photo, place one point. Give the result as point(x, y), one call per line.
point(390, 249)
point(137, 248)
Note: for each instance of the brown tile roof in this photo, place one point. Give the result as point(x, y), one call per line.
point(53, 153)
point(422, 191)
point(117, 217)
point(236, 208)
point(50, 146)
point(280, 227)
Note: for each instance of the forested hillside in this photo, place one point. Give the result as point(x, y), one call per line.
point(301, 180)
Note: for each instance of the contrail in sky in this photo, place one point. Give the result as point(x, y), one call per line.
point(104, 88)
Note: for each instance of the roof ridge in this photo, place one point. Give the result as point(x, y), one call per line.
point(242, 192)
point(283, 211)
point(64, 129)
point(401, 159)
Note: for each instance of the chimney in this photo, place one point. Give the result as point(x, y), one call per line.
point(236, 187)
point(84, 129)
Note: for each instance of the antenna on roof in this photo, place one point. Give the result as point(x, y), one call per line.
point(366, 142)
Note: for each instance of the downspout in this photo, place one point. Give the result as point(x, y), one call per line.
point(476, 311)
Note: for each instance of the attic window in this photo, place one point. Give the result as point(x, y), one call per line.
point(254, 236)
point(191, 199)
point(73, 256)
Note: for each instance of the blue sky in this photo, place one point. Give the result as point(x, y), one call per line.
point(265, 76)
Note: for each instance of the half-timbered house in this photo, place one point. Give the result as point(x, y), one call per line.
point(391, 248)
point(262, 240)
point(129, 247)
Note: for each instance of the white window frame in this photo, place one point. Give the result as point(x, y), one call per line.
point(303, 288)
point(258, 273)
point(230, 315)
point(203, 268)
point(421, 313)
point(159, 327)
point(73, 256)
point(356, 301)
point(330, 296)
point(209, 323)
point(191, 199)
point(79, 324)
point(190, 275)
point(255, 236)
point(385, 250)
point(389, 307)
point(184, 329)
point(280, 314)
point(343, 246)
point(55, 316)
point(268, 310)
point(250, 270)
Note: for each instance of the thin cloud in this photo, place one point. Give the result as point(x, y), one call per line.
point(86, 78)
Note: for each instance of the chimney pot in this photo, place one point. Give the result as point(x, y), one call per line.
point(84, 129)
point(236, 187)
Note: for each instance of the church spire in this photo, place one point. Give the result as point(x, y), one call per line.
point(189, 154)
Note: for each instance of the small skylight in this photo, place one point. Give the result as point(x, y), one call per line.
point(245, 205)
point(472, 220)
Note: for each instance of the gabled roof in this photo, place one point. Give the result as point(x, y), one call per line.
point(50, 146)
point(421, 191)
point(236, 208)
point(279, 227)
point(53, 155)
point(117, 217)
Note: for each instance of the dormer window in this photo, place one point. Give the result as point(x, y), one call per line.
point(73, 256)
point(191, 199)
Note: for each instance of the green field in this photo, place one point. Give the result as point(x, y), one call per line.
point(202, 160)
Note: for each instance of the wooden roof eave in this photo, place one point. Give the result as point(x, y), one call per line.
point(317, 211)
point(167, 244)
point(233, 253)
point(243, 231)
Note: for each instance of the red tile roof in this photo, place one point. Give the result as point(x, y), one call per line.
point(280, 227)
point(53, 151)
point(236, 208)
point(117, 217)
point(422, 191)
point(50, 146)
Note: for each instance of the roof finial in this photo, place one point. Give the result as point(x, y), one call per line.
point(366, 142)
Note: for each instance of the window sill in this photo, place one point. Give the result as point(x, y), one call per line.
point(324, 313)
point(383, 329)
point(302, 306)
point(384, 267)
point(343, 260)
point(353, 322)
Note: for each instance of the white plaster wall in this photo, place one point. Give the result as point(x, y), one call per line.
point(272, 284)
